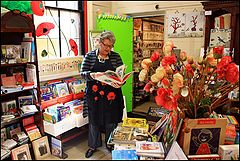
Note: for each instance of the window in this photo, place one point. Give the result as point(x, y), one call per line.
point(59, 30)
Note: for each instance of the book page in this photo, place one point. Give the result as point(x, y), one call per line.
point(121, 70)
point(113, 75)
point(107, 80)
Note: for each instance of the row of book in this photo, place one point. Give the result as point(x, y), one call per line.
point(58, 112)
point(60, 88)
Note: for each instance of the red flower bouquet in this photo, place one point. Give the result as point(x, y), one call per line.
point(194, 88)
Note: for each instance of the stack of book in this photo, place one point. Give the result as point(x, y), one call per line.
point(150, 149)
point(20, 138)
point(127, 135)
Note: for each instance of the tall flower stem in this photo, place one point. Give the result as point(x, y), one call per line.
point(59, 29)
point(52, 45)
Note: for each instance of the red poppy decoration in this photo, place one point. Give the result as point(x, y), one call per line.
point(101, 93)
point(95, 98)
point(95, 88)
point(44, 28)
point(111, 96)
point(74, 46)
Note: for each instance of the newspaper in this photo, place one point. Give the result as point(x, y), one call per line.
point(117, 76)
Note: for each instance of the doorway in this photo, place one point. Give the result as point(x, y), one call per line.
point(148, 36)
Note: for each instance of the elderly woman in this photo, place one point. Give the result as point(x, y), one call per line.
point(102, 103)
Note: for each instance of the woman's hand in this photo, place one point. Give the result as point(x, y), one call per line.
point(116, 85)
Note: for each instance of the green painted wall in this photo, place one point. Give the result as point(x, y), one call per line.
point(123, 31)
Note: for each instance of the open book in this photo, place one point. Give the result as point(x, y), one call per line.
point(117, 76)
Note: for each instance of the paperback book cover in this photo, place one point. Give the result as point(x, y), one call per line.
point(149, 147)
point(124, 155)
point(135, 122)
point(25, 100)
point(56, 147)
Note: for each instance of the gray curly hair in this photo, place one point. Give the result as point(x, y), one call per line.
point(108, 35)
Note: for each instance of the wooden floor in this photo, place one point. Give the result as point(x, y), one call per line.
point(76, 148)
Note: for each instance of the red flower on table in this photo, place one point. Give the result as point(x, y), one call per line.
point(164, 98)
point(111, 96)
point(218, 52)
point(74, 46)
point(95, 88)
point(101, 93)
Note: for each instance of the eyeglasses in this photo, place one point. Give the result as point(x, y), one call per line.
point(109, 46)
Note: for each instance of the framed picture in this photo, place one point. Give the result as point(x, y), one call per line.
point(21, 153)
point(203, 136)
point(220, 37)
point(41, 148)
point(94, 36)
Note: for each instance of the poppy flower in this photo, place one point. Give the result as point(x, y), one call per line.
point(101, 93)
point(44, 28)
point(111, 96)
point(37, 8)
point(95, 88)
point(96, 98)
point(74, 46)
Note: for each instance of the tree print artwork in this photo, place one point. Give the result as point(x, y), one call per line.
point(194, 24)
point(176, 25)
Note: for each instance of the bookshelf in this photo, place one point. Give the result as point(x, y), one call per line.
point(148, 37)
point(14, 28)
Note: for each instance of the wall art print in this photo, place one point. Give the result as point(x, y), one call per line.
point(220, 37)
point(176, 25)
point(194, 24)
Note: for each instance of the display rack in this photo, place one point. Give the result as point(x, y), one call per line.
point(14, 28)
